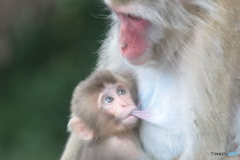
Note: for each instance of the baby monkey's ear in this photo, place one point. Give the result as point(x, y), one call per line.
point(78, 126)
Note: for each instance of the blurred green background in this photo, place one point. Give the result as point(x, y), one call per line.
point(46, 48)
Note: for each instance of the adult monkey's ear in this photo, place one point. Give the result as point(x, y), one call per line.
point(78, 126)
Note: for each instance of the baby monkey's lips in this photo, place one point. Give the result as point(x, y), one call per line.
point(130, 114)
point(130, 120)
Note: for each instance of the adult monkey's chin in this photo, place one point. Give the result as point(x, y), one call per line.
point(139, 61)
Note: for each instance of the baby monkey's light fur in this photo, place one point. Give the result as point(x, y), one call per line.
point(105, 131)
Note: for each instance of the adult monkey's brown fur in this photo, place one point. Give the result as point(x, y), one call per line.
point(187, 68)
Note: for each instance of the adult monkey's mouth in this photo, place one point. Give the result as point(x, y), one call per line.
point(130, 16)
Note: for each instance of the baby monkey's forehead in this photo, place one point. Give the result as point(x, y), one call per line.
point(108, 87)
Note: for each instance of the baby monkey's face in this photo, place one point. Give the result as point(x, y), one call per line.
point(116, 100)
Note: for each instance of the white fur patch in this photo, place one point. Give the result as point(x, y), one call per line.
point(162, 94)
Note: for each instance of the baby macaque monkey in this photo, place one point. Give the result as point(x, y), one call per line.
point(101, 109)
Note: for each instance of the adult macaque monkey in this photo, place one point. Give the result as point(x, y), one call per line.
point(102, 108)
point(185, 55)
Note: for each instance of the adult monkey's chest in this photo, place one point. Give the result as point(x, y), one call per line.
point(163, 96)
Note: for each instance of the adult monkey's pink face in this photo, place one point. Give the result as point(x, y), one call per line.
point(133, 40)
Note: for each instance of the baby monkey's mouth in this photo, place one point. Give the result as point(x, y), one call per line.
point(130, 113)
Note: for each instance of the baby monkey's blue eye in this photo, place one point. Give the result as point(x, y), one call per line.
point(108, 99)
point(121, 91)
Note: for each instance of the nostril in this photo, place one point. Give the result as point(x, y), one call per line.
point(125, 45)
point(123, 105)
